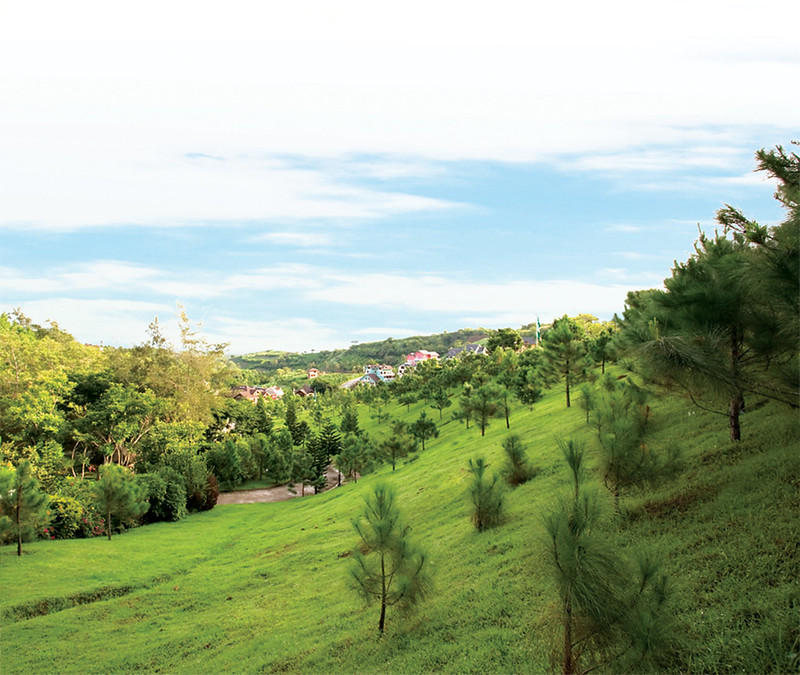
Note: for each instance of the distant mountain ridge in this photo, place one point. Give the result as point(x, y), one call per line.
point(390, 351)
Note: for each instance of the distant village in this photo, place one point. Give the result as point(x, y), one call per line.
point(374, 374)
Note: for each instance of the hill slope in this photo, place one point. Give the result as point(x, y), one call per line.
point(262, 587)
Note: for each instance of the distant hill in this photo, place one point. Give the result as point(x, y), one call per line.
point(391, 351)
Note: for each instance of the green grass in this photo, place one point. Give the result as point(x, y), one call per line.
point(262, 587)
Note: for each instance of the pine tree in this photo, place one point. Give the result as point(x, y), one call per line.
point(423, 429)
point(485, 495)
point(23, 505)
point(118, 494)
point(516, 470)
point(387, 567)
point(565, 352)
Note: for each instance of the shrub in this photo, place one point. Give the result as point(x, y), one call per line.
point(66, 516)
point(166, 493)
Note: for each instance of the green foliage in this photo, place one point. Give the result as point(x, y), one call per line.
point(439, 399)
point(356, 456)
point(506, 338)
point(607, 621)
point(119, 495)
point(67, 515)
point(727, 324)
point(423, 428)
point(398, 444)
point(387, 567)
point(516, 470)
point(349, 422)
point(166, 495)
point(485, 496)
point(225, 463)
point(566, 352)
point(23, 505)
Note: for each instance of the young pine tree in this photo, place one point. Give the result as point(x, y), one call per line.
point(516, 470)
point(387, 567)
point(23, 505)
point(613, 617)
point(423, 429)
point(118, 494)
point(485, 496)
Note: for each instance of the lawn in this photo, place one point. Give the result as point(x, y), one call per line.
point(263, 587)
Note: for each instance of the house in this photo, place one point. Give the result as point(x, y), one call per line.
point(304, 391)
point(370, 378)
point(312, 373)
point(529, 342)
point(421, 355)
point(473, 348)
point(384, 372)
point(252, 394)
point(274, 393)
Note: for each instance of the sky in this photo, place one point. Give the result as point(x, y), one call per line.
point(304, 175)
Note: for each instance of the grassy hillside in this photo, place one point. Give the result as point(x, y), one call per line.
point(262, 588)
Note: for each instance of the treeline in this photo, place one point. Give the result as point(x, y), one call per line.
point(110, 438)
point(391, 351)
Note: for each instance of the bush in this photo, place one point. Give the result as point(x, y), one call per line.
point(66, 516)
point(166, 493)
point(91, 522)
point(225, 463)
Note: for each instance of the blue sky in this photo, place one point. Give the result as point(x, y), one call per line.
point(303, 177)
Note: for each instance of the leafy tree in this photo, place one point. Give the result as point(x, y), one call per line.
point(118, 494)
point(423, 429)
point(292, 422)
point(507, 338)
point(119, 422)
point(355, 455)
point(225, 462)
point(387, 567)
point(485, 496)
point(278, 461)
point(565, 352)
point(516, 470)
point(302, 468)
point(23, 505)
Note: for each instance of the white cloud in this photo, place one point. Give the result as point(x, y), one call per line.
point(132, 127)
point(440, 295)
point(287, 334)
point(299, 239)
point(100, 320)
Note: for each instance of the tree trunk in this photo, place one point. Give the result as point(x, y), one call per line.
point(733, 416)
point(383, 596)
point(569, 667)
point(108, 524)
point(18, 520)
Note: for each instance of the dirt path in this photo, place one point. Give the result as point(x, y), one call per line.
point(278, 493)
